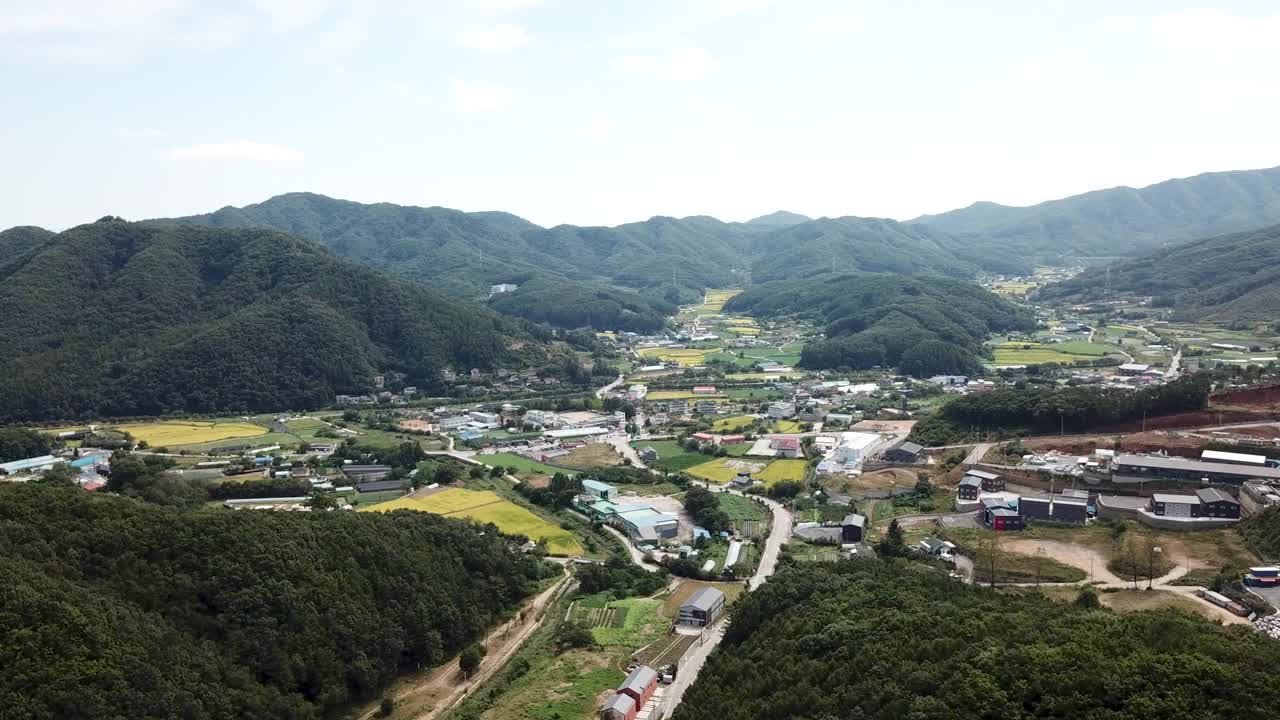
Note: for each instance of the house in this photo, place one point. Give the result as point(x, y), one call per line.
point(678, 408)
point(969, 488)
point(1216, 503)
point(603, 491)
point(637, 392)
point(781, 410)
point(852, 528)
point(938, 548)
point(704, 390)
point(648, 454)
point(990, 481)
point(1001, 519)
point(703, 437)
point(619, 707)
point(904, 452)
point(1175, 505)
point(703, 608)
point(787, 447)
point(706, 407)
point(640, 684)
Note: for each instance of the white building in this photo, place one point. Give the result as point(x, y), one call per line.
point(848, 455)
point(637, 392)
point(780, 410)
point(453, 424)
point(502, 288)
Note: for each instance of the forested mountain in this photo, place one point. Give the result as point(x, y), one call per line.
point(465, 253)
point(923, 325)
point(585, 304)
point(779, 219)
point(115, 608)
point(1123, 221)
point(18, 240)
point(874, 640)
point(872, 245)
point(116, 318)
point(1231, 277)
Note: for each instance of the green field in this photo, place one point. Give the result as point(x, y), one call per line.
point(740, 509)
point(781, 471)
point(732, 424)
point(758, 394)
point(784, 426)
point(488, 507)
point(671, 456)
point(1030, 353)
point(643, 624)
point(680, 395)
point(521, 463)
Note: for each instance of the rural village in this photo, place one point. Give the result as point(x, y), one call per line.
point(710, 459)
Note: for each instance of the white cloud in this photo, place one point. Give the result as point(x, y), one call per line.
point(141, 133)
point(237, 150)
point(638, 64)
point(688, 64)
point(494, 38)
point(287, 15)
point(480, 97)
point(503, 5)
point(1115, 24)
point(600, 128)
point(691, 64)
point(1214, 30)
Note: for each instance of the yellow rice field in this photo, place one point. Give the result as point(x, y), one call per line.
point(722, 470)
point(685, 357)
point(189, 432)
point(782, 470)
point(488, 507)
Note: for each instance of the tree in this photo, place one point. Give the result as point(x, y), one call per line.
point(387, 707)
point(573, 635)
point(60, 474)
point(469, 660)
point(1088, 598)
point(18, 443)
point(322, 501)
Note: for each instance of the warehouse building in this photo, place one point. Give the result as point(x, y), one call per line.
point(1128, 468)
point(1175, 505)
point(703, 608)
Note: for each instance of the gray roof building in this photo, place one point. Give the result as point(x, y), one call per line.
point(639, 680)
point(704, 600)
point(619, 706)
point(1210, 495)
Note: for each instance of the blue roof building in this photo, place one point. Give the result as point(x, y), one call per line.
point(604, 491)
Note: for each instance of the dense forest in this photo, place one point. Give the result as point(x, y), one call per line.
point(586, 304)
point(875, 639)
point(1121, 221)
point(1228, 278)
point(1067, 409)
point(17, 241)
point(114, 608)
point(464, 253)
point(116, 318)
point(923, 326)
point(17, 443)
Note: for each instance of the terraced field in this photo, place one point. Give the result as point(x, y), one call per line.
point(489, 507)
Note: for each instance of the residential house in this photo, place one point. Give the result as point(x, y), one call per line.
point(640, 684)
point(938, 548)
point(707, 407)
point(787, 447)
point(991, 482)
point(969, 488)
point(648, 454)
point(999, 517)
point(781, 410)
point(703, 608)
point(1175, 505)
point(619, 707)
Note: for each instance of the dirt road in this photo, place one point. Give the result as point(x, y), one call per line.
point(440, 689)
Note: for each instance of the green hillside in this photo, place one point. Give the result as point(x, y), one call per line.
point(116, 318)
point(923, 325)
point(874, 640)
point(18, 240)
point(114, 608)
point(1123, 221)
point(778, 219)
point(584, 304)
point(1232, 277)
point(464, 253)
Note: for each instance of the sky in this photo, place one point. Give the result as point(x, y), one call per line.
point(594, 112)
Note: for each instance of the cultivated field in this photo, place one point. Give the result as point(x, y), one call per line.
point(714, 302)
point(189, 432)
point(488, 507)
point(679, 395)
point(671, 456)
point(732, 424)
point(722, 470)
point(685, 357)
point(591, 455)
point(782, 470)
point(784, 427)
point(1030, 353)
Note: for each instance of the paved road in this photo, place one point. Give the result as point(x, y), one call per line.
point(975, 456)
point(623, 445)
point(637, 557)
point(600, 393)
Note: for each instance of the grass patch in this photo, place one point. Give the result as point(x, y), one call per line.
point(489, 507)
point(781, 471)
point(785, 426)
point(592, 455)
point(1030, 353)
point(741, 509)
point(759, 394)
point(521, 464)
point(733, 424)
point(642, 625)
point(671, 456)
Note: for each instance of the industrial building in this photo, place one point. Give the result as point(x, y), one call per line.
point(1127, 468)
point(703, 608)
